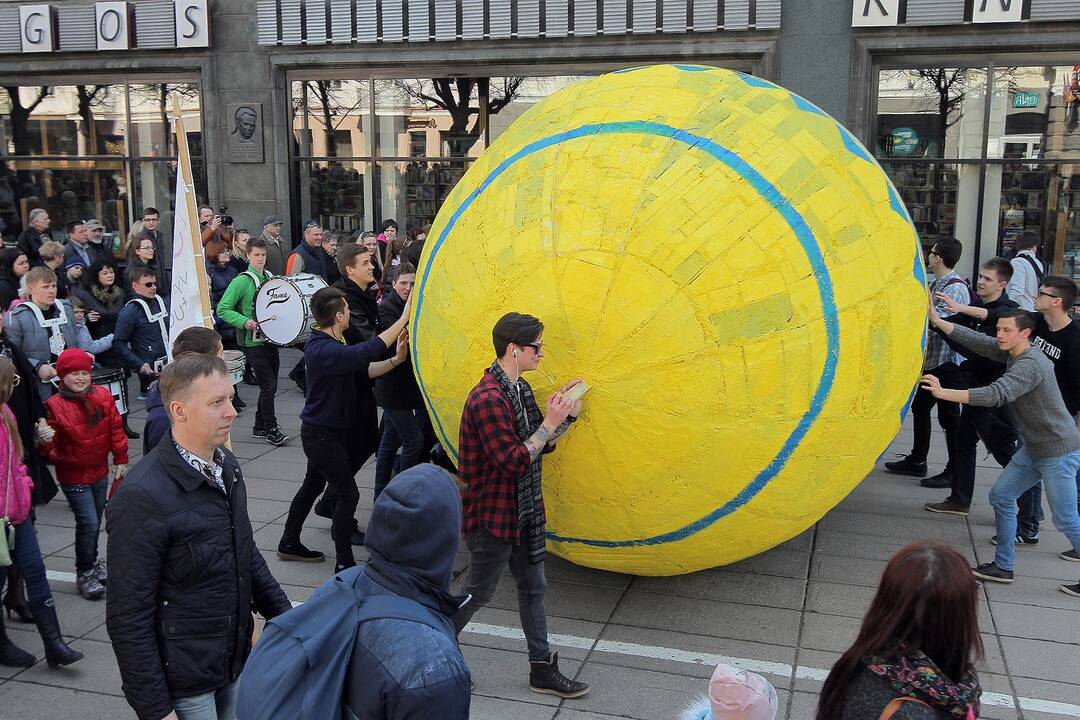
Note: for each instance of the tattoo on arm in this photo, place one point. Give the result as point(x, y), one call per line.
point(538, 442)
point(560, 431)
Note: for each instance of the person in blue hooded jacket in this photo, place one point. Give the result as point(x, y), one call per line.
point(374, 642)
point(195, 339)
point(401, 669)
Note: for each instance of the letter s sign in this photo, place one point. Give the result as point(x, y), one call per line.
point(192, 23)
point(36, 28)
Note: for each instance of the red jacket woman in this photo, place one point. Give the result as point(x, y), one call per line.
point(80, 449)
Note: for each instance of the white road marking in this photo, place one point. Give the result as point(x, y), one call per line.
point(764, 667)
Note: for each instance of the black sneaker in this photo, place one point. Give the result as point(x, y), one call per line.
point(990, 571)
point(296, 552)
point(258, 432)
point(237, 403)
point(545, 678)
point(906, 467)
point(1073, 590)
point(275, 437)
point(938, 482)
point(949, 507)
point(1020, 540)
point(1070, 555)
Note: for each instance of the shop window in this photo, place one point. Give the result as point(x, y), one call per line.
point(334, 192)
point(1043, 198)
point(448, 106)
point(413, 192)
point(1035, 113)
point(333, 116)
point(942, 198)
point(417, 144)
point(512, 96)
point(92, 150)
point(930, 113)
point(151, 112)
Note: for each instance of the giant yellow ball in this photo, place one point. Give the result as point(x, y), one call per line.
point(726, 266)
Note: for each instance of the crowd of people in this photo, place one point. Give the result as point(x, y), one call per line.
point(1002, 365)
point(380, 639)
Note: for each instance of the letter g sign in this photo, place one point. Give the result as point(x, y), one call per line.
point(36, 23)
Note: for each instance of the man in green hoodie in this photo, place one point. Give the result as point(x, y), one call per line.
point(237, 309)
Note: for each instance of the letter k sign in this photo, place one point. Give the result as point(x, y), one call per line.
point(875, 13)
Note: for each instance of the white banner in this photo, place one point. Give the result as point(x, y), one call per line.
point(189, 304)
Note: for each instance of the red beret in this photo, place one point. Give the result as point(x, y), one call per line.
point(73, 360)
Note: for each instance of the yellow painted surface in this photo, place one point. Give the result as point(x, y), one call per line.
point(688, 236)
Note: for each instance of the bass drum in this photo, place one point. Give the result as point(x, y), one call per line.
point(283, 308)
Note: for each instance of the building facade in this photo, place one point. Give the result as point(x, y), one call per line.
point(356, 111)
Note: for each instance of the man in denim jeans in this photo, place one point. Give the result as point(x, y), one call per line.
point(502, 438)
point(1051, 449)
point(1057, 334)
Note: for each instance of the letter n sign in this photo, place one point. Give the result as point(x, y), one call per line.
point(995, 11)
point(113, 26)
point(875, 13)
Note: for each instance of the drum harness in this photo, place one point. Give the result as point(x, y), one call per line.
point(56, 334)
point(159, 316)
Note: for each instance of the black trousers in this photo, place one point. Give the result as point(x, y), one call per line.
point(995, 428)
point(953, 378)
point(328, 463)
point(265, 361)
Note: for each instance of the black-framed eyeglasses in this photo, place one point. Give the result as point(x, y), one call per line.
point(1049, 295)
point(537, 346)
point(931, 252)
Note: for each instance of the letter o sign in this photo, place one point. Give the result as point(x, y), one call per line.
point(112, 25)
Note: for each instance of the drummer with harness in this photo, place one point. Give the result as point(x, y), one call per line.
point(142, 329)
point(236, 308)
point(43, 327)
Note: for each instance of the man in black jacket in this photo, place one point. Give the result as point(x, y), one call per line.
point(404, 419)
point(356, 264)
point(993, 425)
point(33, 237)
point(184, 572)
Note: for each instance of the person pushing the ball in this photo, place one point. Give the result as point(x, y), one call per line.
point(502, 439)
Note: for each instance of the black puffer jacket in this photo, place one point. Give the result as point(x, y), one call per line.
point(184, 577)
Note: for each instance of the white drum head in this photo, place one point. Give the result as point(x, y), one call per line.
point(280, 310)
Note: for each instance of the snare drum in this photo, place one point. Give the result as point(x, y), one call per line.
point(114, 380)
point(283, 307)
point(235, 361)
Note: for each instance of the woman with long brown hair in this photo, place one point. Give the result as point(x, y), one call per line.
point(915, 655)
point(15, 504)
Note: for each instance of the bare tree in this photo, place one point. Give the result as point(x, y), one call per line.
point(455, 96)
point(162, 94)
point(330, 99)
point(20, 117)
point(90, 97)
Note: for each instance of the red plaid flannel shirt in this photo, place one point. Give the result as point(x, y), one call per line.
point(491, 458)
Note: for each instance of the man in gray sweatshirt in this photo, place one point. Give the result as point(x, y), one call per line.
point(1051, 449)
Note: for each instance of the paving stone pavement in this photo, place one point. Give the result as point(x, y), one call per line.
point(647, 645)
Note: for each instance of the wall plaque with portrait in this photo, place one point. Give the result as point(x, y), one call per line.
point(245, 133)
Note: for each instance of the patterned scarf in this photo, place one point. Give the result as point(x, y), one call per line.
point(530, 498)
point(94, 413)
point(916, 675)
point(105, 295)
